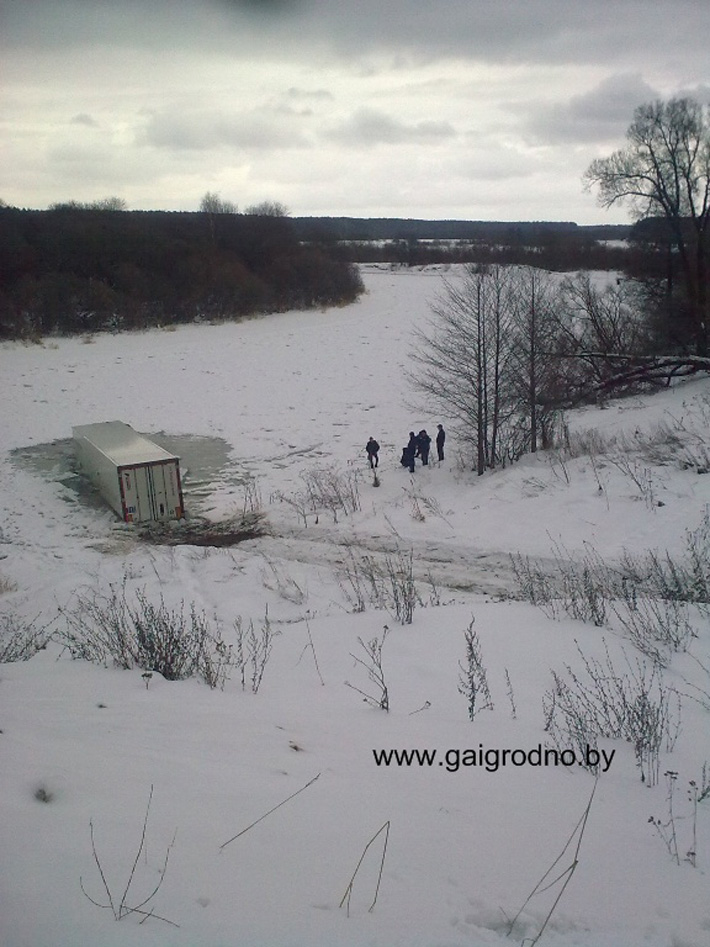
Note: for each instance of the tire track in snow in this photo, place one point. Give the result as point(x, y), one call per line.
point(450, 566)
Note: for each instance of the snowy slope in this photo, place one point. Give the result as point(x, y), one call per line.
point(289, 394)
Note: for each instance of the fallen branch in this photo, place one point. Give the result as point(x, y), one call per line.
point(545, 885)
point(123, 909)
point(345, 900)
point(261, 818)
point(629, 370)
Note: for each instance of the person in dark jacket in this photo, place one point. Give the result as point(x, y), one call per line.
point(440, 438)
point(410, 452)
point(372, 448)
point(423, 446)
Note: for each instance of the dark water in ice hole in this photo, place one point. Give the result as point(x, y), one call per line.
point(204, 463)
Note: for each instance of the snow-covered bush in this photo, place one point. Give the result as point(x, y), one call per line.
point(581, 588)
point(648, 594)
point(473, 678)
point(252, 651)
point(388, 584)
point(684, 578)
point(176, 643)
point(372, 663)
point(329, 489)
point(21, 640)
point(657, 627)
point(634, 705)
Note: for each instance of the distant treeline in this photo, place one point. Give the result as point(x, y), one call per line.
point(490, 231)
point(73, 270)
point(76, 269)
point(554, 245)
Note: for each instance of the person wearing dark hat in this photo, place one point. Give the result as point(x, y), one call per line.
point(440, 438)
point(372, 448)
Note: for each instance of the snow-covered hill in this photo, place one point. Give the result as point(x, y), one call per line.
point(258, 408)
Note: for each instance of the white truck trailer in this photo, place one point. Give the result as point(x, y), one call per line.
point(138, 479)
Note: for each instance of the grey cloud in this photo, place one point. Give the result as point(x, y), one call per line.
point(295, 93)
point(700, 92)
point(534, 31)
point(602, 114)
point(285, 109)
point(83, 119)
point(495, 164)
point(670, 32)
point(368, 127)
point(87, 165)
point(167, 25)
point(301, 102)
point(224, 79)
point(204, 130)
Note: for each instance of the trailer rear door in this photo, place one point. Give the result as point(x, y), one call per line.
point(151, 492)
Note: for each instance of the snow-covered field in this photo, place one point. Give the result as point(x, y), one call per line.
point(81, 745)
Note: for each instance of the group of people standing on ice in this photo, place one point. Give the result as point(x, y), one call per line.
point(419, 445)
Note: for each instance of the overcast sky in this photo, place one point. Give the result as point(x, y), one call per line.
point(467, 109)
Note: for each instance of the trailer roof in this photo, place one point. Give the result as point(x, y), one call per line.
point(124, 446)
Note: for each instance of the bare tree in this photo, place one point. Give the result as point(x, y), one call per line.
point(103, 203)
point(597, 327)
point(664, 171)
point(534, 350)
point(484, 361)
point(458, 361)
point(109, 203)
point(212, 203)
point(605, 320)
point(268, 209)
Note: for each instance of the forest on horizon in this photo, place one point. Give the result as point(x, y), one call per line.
point(74, 269)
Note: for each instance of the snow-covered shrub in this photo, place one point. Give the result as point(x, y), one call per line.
point(251, 499)
point(421, 504)
point(657, 627)
point(387, 584)
point(372, 663)
point(586, 585)
point(684, 578)
point(581, 588)
point(21, 640)
point(329, 489)
point(252, 651)
point(473, 678)
point(647, 594)
point(680, 442)
point(358, 583)
point(535, 585)
point(669, 831)
point(640, 476)
point(602, 702)
point(403, 590)
point(176, 643)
